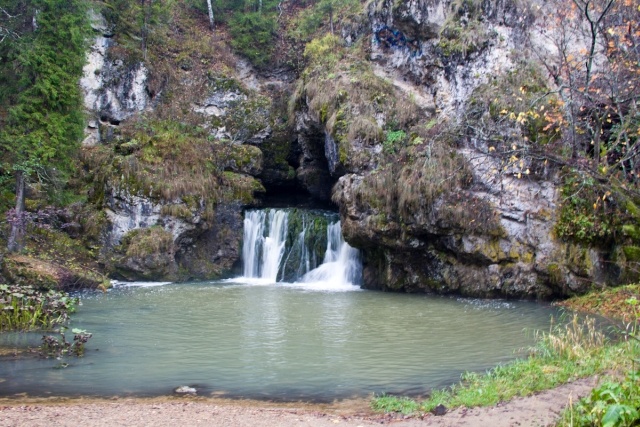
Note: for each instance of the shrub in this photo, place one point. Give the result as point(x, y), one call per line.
point(588, 211)
point(325, 51)
point(23, 308)
point(254, 36)
point(59, 347)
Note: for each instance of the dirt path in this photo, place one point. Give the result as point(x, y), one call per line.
point(538, 410)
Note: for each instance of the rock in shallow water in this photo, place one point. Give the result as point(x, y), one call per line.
point(184, 390)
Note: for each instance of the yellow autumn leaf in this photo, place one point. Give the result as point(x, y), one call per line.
point(492, 148)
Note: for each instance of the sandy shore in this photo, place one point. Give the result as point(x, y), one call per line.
point(541, 409)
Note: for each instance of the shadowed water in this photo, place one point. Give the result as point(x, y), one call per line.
point(276, 341)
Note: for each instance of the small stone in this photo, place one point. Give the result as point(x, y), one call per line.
point(185, 389)
point(440, 410)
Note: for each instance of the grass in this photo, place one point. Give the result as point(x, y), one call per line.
point(615, 402)
point(567, 352)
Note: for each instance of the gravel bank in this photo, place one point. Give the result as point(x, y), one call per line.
point(539, 410)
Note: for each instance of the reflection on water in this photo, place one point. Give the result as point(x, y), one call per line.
point(276, 341)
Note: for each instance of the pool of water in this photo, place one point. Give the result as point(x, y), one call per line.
point(275, 341)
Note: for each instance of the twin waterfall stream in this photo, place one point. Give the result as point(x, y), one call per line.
point(286, 245)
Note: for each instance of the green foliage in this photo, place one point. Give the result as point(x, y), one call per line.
point(170, 160)
point(325, 51)
point(612, 404)
point(393, 139)
point(343, 93)
point(23, 308)
point(588, 213)
point(311, 21)
point(615, 403)
point(405, 187)
point(45, 118)
point(254, 36)
point(140, 26)
point(12, 29)
point(612, 303)
point(247, 117)
point(142, 242)
point(461, 37)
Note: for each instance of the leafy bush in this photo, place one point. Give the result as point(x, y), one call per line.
point(59, 347)
point(23, 308)
point(393, 138)
point(588, 211)
point(612, 404)
point(324, 52)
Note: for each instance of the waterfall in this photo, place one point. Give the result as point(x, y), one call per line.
point(285, 244)
point(341, 264)
point(264, 243)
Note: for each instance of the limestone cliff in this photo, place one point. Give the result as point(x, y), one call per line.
point(429, 123)
point(446, 181)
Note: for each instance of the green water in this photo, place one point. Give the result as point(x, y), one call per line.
point(276, 341)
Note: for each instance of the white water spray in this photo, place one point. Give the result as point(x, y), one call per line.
point(265, 240)
point(341, 265)
point(262, 253)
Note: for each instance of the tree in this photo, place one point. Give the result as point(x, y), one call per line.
point(140, 25)
point(45, 121)
point(597, 74)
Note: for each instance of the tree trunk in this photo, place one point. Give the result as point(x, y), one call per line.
point(211, 23)
point(16, 238)
point(145, 22)
point(331, 19)
point(597, 132)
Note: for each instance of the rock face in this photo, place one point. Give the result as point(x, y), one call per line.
point(113, 91)
point(397, 141)
point(146, 244)
point(193, 231)
point(492, 232)
point(314, 170)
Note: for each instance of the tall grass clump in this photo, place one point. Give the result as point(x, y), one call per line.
point(615, 402)
point(23, 308)
point(575, 341)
